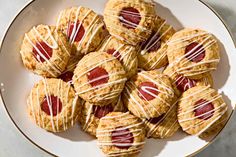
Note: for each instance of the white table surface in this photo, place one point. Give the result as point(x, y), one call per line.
point(13, 144)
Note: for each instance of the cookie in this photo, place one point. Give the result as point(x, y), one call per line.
point(130, 21)
point(120, 134)
point(163, 126)
point(53, 105)
point(181, 83)
point(216, 127)
point(148, 94)
point(83, 27)
point(153, 51)
point(91, 114)
point(45, 51)
point(126, 54)
point(199, 108)
point(193, 53)
point(99, 78)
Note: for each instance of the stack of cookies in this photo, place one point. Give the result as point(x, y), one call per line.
point(124, 77)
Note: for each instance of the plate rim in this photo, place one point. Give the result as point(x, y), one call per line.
point(46, 151)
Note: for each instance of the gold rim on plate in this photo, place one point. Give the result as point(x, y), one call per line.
point(18, 128)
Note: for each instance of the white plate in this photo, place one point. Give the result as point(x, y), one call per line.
point(16, 82)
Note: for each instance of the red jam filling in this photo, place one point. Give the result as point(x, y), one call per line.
point(98, 76)
point(67, 76)
point(130, 17)
point(45, 51)
point(148, 91)
point(114, 53)
point(156, 119)
point(101, 111)
point(205, 111)
point(52, 102)
point(122, 139)
point(152, 44)
point(184, 83)
point(197, 55)
point(77, 33)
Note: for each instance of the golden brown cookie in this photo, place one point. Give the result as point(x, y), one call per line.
point(99, 78)
point(126, 54)
point(130, 21)
point(53, 105)
point(193, 53)
point(163, 126)
point(121, 134)
point(199, 108)
point(181, 83)
point(91, 114)
point(83, 27)
point(216, 127)
point(153, 52)
point(45, 51)
point(148, 94)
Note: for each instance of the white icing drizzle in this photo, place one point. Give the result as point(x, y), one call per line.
point(221, 109)
point(158, 32)
point(131, 34)
point(71, 67)
point(93, 65)
point(188, 119)
point(186, 70)
point(187, 37)
point(46, 91)
point(147, 2)
point(133, 122)
point(97, 79)
point(179, 79)
point(117, 106)
point(163, 85)
point(99, 87)
point(74, 104)
point(89, 118)
point(219, 123)
point(130, 24)
point(107, 96)
point(111, 15)
point(141, 106)
point(75, 29)
point(164, 122)
point(90, 31)
point(95, 28)
point(150, 44)
point(125, 53)
point(49, 34)
point(63, 116)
